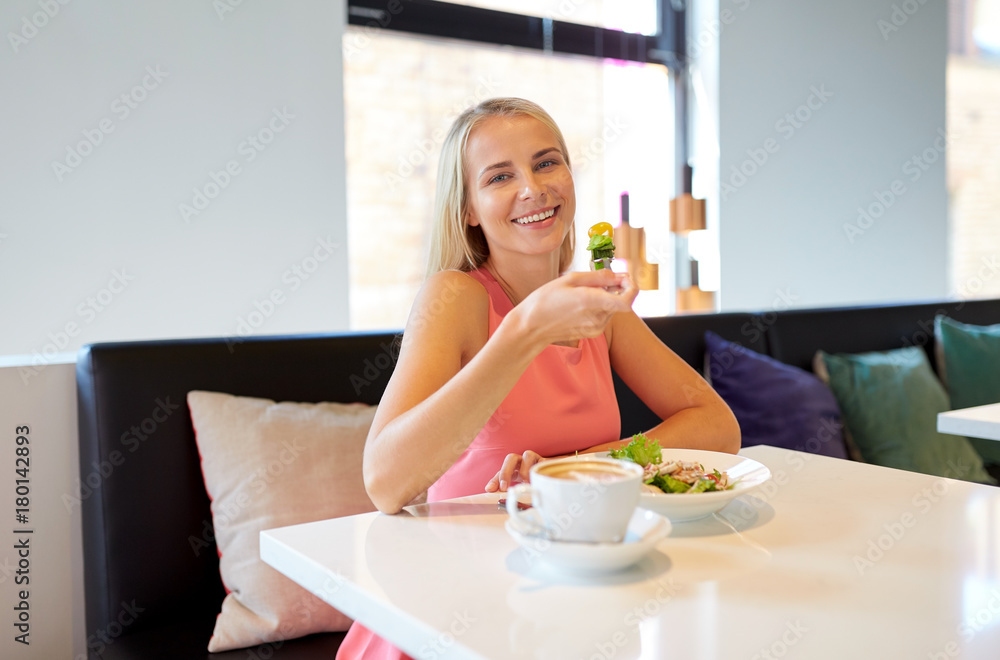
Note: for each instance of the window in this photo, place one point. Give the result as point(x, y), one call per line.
point(973, 99)
point(402, 91)
point(638, 16)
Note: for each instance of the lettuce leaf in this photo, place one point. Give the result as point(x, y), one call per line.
point(668, 484)
point(640, 450)
point(600, 242)
point(704, 485)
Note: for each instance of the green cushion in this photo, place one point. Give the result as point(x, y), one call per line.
point(890, 402)
point(969, 361)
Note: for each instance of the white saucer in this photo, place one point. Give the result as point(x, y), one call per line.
point(645, 530)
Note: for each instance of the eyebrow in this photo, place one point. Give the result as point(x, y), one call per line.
point(507, 163)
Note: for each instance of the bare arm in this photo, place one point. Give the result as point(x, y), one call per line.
point(449, 379)
point(694, 415)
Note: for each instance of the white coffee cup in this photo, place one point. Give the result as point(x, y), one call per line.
point(578, 498)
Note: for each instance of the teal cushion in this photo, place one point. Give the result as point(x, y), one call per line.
point(890, 402)
point(969, 361)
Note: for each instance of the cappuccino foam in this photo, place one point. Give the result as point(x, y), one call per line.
point(584, 471)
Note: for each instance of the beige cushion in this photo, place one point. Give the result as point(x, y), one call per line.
point(268, 465)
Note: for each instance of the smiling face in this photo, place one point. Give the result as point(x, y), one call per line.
point(519, 188)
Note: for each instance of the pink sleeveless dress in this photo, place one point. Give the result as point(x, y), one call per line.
point(564, 401)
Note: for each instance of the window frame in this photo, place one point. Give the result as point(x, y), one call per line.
point(477, 24)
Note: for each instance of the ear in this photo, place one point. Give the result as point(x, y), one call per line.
point(471, 219)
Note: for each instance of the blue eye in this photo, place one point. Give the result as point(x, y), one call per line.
point(500, 177)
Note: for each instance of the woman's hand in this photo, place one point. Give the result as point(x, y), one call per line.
point(576, 306)
point(515, 466)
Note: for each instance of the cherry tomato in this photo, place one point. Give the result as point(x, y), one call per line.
point(601, 228)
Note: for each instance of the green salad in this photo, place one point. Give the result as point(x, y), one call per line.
point(601, 246)
point(670, 476)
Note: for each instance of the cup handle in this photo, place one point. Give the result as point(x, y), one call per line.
point(522, 524)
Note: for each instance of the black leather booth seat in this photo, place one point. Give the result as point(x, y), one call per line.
point(685, 335)
point(794, 335)
point(140, 513)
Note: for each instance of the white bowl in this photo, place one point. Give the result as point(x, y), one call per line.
point(681, 507)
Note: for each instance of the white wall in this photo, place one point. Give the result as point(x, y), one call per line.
point(103, 252)
point(95, 246)
point(878, 100)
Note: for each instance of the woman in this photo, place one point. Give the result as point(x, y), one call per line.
point(505, 360)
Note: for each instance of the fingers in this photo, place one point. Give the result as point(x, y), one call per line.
point(510, 467)
point(629, 290)
point(516, 467)
point(596, 278)
point(620, 285)
point(528, 459)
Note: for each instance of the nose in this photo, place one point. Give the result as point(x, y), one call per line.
point(533, 187)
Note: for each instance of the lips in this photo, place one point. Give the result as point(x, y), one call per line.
point(536, 217)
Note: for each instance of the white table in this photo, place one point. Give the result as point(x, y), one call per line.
point(978, 422)
point(832, 559)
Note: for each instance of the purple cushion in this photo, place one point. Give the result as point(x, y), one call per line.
point(775, 403)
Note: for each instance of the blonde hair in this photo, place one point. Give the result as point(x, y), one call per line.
point(455, 245)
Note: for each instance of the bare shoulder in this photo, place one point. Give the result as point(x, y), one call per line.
point(440, 334)
point(451, 307)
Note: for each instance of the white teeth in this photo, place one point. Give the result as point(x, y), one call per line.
point(528, 219)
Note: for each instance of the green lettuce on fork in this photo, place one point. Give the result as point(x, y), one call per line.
point(601, 246)
point(672, 476)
